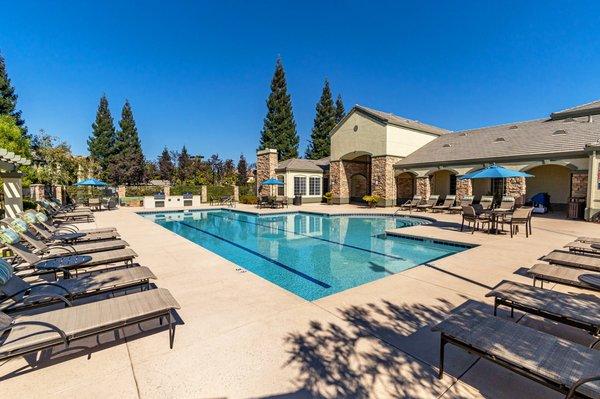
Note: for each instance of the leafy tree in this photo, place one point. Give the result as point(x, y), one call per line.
point(12, 138)
point(57, 165)
point(319, 145)
point(340, 112)
point(184, 164)
point(279, 127)
point(102, 140)
point(242, 170)
point(8, 98)
point(229, 172)
point(127, 163)
point(166, 168)
point(151, 170)
point(216, 168)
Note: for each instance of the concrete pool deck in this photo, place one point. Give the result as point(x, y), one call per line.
point(243, 337)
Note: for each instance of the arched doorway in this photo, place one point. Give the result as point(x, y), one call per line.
point(443, 182)
point(358, 187)
point(405, 187)
point(552, 179)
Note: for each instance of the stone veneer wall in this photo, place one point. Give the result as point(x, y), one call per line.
point(463, 188)
point(266, 162)
point(383, 180)
point(405, 186)
point(340, 173)
point(516, 187)
point(579, 184)
point(423, 186)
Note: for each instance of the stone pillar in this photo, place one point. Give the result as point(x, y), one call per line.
point(266, 162)
point(579, 185)
point(423, 186)
point(383, 182)
point(338, 183)
point(59, 193)
point(13, 194)
point(37, 192)
point(236, 193)
point(122, 191)
point(516, 188)
point(464, 187)
point(203, 194)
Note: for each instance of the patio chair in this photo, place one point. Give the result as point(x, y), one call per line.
point(469, 216)
point(448, 202)
point(410, 204)
point(543, 272)
point(430, 203)
point(280, 202)
point(31, 218)
point(20, 227)
point(580, 311)
point(507, 203)
point(17, 294)
point(74, 216)
point(486, 202)
point(570, 259)
point(33, 333)
point(582, 247)
point(520, 217)
point(557, 363)
point(227, 200)
point(264, 201)
point(58, 206)
point(467, 200)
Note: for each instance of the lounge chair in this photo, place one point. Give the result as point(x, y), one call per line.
point(410, 204)
point(557, 363)
point(430, 203)
point(32, 333)
point(487, 203)
point(507, 203)
point(520, 217)
point(17, 294)
point(54, 226)
point(472, 218)
point(53, 249)
point(570, 259)
point(264, 202)
point(582, 247)
point(467, 200)
point(74, 216)
point(446, 205)
point(580, 311)
point(561, 274)
point(589, 240)
point(55, 234)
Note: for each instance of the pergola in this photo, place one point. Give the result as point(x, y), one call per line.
point(11, 179)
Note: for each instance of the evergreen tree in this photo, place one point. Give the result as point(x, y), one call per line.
point(319, 145)
point(279, 127)
point(184, 163)
point(8, 98)
point(166, 168)
point(340, 112)
point(127, 165)
point(102, 140)
point(242, 170)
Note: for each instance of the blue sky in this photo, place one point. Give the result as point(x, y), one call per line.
point(198, 73)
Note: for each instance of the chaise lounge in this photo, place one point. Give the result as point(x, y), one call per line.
point(430, 203)
point(446, 205)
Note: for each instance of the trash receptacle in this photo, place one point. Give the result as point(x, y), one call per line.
point(297, 200)
point(576, 208)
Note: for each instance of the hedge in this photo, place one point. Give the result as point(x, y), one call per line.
point(219, 191)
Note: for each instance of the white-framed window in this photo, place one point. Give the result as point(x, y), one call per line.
point(314, 185)
point(281, 189)
point(299, 185)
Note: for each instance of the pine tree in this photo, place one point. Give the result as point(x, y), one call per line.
point(166, 168)
point(340, 112)
point(319, 146)
point(184, 163)
point(127, 165)
point(279, 128)
point(242, 171)
point(102, 140)
point(8, 98)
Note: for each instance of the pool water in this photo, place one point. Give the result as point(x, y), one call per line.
point(311, 255)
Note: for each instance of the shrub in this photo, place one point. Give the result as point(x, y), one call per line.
point(249, 199)
point(247, 189)
point(328, 197)
point(28, 204)
point(218, 191)
point(142, 191)
point(371, 200)
point(181, 189)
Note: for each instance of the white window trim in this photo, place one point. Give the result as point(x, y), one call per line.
point(305, 185)
point(319, 186)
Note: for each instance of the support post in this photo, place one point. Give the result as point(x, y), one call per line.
point(13, 193)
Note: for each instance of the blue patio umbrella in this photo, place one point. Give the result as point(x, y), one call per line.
point(273, 182)
point(494, 172)
point(91, 183)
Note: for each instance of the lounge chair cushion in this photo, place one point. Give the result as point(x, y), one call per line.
point(8, 236)
point(557, 359)
point(29, 217)
point(18, 225)
point(6, 272)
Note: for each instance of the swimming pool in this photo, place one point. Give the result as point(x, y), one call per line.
point(310, 255)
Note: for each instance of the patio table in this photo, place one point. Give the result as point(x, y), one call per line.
point(63, 264)
point(495, 216)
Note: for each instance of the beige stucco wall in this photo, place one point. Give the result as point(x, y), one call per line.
point(552, 179)
point(402, 141)
point(370, 137)
point(440, 182)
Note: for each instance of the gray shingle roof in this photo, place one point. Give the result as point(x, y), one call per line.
point(401, 121)
point(515, 140)
point(591, 108)
point(300, 165)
